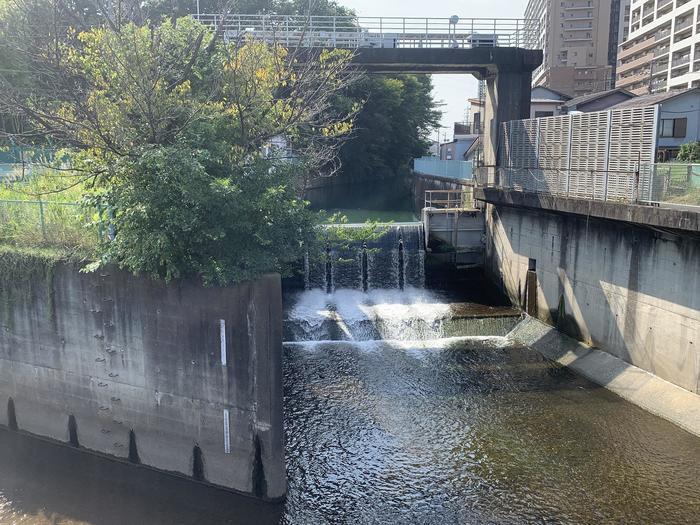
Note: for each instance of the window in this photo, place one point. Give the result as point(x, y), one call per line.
point(673, 127)
point(540, 114)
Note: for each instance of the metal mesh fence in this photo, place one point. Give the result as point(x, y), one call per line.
point(47, 224)
point(677, 184)
point(653, 184)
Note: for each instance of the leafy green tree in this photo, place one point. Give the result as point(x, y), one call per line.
point(168, 126)
point(392, 128)
point(689, 152)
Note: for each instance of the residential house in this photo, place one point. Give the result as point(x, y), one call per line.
point(678, 120)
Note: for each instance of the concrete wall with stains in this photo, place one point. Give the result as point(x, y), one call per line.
point(629, 290)
point(142, 371)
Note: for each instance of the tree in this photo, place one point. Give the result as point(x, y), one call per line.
point(689, 152)
point(167, 126)
point(392, 128)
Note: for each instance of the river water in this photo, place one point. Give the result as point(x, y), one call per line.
point(389, 420)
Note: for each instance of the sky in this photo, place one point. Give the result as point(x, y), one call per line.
point(452, 90)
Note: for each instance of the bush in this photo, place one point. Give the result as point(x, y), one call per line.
point(689, 152)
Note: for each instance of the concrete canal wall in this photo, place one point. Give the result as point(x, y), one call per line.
point(177, 377)
point(629, 290)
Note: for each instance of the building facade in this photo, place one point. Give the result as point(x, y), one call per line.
point(662, 51)
point(579, 39)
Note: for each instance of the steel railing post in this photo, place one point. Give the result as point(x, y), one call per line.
point(41, 218)
point(605, 185)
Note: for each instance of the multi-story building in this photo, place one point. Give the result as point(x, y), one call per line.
point(579, 39)
point(662, 51)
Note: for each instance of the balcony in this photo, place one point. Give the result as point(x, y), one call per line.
point(659, 86)
point(660, 51)
point(642, 76)
point(663, 11)
point(686, 22)
point(682, 35)
point(664, 33)
point(636, 63)
point(661, 67)
point(680, 71)
point(636, 48)
point(680, 61)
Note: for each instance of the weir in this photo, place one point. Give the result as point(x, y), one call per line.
point(421, 393)
point(394, 260)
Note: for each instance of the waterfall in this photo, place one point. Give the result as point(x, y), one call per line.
point(412, 314)
point(395, 260)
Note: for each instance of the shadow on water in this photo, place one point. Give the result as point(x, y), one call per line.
point(47, 483)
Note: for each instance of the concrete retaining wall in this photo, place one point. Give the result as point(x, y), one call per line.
point(631, 291)
point(140, 368)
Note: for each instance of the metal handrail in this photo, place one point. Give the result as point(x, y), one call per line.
point(447, 199)
point(390, 32)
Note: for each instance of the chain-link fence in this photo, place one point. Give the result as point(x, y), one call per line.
point(672, 183)
point(48, 224)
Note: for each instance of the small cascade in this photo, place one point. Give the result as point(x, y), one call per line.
point(412, 314)
point(395, 260)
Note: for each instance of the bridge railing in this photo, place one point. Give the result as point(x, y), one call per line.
point(378, 32)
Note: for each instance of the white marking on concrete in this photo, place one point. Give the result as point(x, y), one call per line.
point(227, 433)
point(222, 331)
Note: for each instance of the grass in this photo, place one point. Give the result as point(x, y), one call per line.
point(42, 210)
point(679, 186)
point(356, 216)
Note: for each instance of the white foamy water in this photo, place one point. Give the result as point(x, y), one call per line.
point(410, 314)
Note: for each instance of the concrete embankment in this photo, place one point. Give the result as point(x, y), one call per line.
point(177, 377)
point(638, 386)
point(630, 290)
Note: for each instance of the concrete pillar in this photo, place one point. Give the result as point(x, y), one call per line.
point(507, 98)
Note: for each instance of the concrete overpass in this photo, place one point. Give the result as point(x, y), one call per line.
point(498, 51)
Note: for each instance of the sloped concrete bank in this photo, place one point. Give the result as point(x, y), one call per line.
point(630, 290)
point(177, 377)
point(638, 386)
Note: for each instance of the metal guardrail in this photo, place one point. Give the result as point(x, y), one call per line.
point(380, 32)
point(649, 184)
point(449, 199)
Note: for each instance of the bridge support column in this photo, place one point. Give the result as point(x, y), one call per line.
point(508, 96)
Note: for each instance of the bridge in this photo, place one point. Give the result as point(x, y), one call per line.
point(499, 51)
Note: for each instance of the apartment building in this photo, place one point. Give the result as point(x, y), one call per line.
point(662, 51)
point(579, 39)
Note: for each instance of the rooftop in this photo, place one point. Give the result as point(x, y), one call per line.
point(653, 99)
point(583, 99)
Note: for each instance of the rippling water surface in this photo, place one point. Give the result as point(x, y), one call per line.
point(473, 431)
point(401, 431)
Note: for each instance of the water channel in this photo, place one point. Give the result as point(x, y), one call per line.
point(401, 407)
